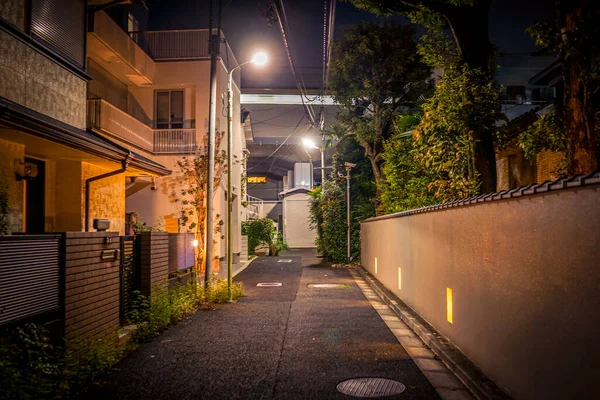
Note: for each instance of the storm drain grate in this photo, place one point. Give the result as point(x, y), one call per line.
point(370, 387)
point(285, 260)
point(328, 286)
point(268, 284)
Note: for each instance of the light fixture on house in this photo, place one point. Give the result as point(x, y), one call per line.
point(26, 171)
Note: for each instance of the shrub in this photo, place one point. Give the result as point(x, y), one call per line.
point(167, 307)
point(259, 231)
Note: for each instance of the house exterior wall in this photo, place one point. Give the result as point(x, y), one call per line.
point(10, 154)
point(547, 163)
point(524, 278)
point(13, 11)
point(107, 197)
point(34, 81)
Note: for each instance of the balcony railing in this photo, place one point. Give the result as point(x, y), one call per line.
point(178, 45)
point(103, 116)
point(180, 141)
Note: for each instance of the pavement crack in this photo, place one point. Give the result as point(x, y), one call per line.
point(285, 331)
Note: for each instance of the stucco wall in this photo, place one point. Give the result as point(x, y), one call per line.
point(14, 12)
point(10, 154)
point(32, 80)
point(524, 279)
point(107, 197)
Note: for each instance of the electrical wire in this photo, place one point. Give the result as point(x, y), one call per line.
point(284, 29)
point(282, 143)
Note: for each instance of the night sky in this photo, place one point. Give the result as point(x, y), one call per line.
point(247, 30)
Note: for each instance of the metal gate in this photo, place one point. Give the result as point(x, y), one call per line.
point(129, 276)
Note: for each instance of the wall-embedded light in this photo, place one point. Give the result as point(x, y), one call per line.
point(449, 316)
point(195, 243)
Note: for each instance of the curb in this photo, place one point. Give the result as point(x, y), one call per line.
point(480, 386)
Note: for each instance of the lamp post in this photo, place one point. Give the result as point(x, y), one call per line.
point(258, 59)
point(308, 143)
point(348, 166)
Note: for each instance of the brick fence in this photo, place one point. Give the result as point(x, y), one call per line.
point(91, 286)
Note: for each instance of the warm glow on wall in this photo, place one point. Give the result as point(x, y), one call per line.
point(399, 278)
point(449, 304)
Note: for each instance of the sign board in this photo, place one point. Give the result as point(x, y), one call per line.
point(257, 179)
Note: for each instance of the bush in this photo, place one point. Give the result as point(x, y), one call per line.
point(259, 231)
point(32, 368)
point(168, 307)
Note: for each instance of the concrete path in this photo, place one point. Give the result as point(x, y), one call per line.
point(279, 342)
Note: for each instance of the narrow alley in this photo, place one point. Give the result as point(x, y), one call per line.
point(293, 341)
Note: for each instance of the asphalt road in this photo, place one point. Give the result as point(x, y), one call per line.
point(285, 342)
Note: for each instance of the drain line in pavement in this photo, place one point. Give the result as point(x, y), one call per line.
point(370, 387)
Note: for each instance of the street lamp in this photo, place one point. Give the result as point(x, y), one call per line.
point(308, 143)
point(258, 59)
point(348, 166)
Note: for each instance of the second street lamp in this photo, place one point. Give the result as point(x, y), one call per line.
point(258, 59)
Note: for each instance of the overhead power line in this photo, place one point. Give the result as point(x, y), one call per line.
point(284, 28)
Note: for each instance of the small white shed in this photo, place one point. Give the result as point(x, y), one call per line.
point(296, 218)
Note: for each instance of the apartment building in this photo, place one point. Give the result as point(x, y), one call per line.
point(149, 92)
point(47, 155)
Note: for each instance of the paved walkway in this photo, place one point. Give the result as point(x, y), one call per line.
point(287, 342)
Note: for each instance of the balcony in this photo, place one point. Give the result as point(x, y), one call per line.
point(108, 119)
point(112, 48)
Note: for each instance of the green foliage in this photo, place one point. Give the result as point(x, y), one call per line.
point(4, 204)
point(376, 75)
point(33, 368)
point(259, 231)
point(168, 307)
point(328, 203)
point(138, 224)
point(547, 133)
point(407, 180)
point(463, 109)
point(187, 190)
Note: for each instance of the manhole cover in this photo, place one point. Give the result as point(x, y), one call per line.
point(370, 387)
point(268, 284)
point(328, 285)
point(285, 260)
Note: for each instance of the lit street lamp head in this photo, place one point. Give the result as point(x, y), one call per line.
point(309, 144)
point(259, 59)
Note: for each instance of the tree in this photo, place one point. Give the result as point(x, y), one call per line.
point(408, 180)
point(376, 75)
point(188, 191)
point(574, 34)
point(328, 203)
point(468, 23)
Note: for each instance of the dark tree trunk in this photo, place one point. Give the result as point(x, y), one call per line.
point(469, 27)
point(582, 147)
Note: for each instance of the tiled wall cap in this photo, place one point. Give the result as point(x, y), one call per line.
point(559, 184)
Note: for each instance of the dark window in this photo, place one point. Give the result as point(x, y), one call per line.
point(60, 24)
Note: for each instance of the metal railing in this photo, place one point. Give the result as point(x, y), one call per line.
point(254, 210)
point(105, 117)
point(175, 141)
point(178, 45)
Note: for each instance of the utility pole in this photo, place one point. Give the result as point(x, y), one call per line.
point(214, 47)
point(348, 168)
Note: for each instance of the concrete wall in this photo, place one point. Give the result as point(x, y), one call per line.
point(524, 279)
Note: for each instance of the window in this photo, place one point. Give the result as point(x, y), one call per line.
point(169, 109)
point(48, 25)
